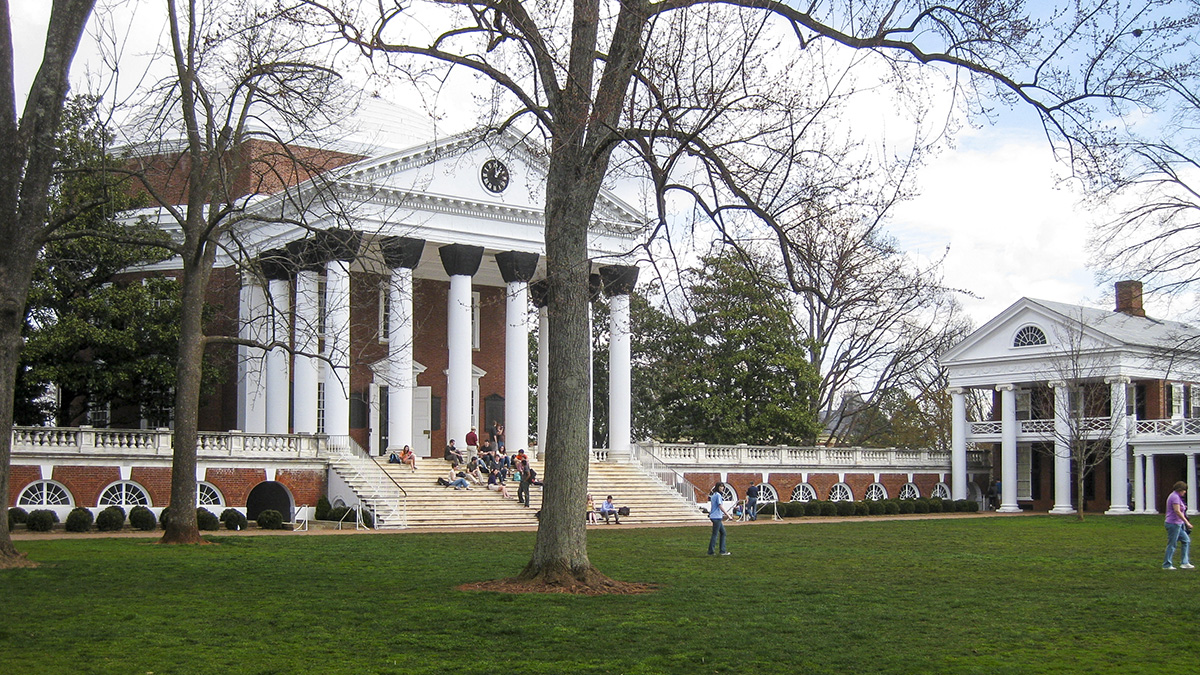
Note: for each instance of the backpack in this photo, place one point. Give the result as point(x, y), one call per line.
point(443, 482)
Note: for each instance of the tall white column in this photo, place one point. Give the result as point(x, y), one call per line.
point(591, 356)
point(458, 377)
point(543, 381)
point(516, 366)
point(1118, 465)
point(1139, 484)
point(1151, 497)
point(1008, 449)
point(620, 376)
point(252, 391)
point(1062, 448)
point(400, 353)
point(337, 348)
point(1191, 483)
point(306, 368)
point(958, 443)
point(277, 358)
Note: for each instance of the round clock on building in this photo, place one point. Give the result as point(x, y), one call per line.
point(494, 175)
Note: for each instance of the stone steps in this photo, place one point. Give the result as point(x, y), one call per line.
point(431, 505)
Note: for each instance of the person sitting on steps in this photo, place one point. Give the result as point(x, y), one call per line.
point(609, 510)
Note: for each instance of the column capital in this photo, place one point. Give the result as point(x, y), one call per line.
point(311, 254)
point(461, 259)
point(1005, 387)
point(956, 391)
point(276, 264)
point(1117, 379)
point(517, 265)
point(401, 251)
point(618, 279)
point(595, 287)
point(1056, 384)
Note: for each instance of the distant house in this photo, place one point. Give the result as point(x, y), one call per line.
point(1061, 374)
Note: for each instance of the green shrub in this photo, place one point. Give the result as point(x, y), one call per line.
point(234, 519)
point(368, 518)
point(795, 509)
point(875, 508)
point(767, 509)
point(323, 507)
point(971, 505)
point(163, 518)
point(936, 505)
point(79, 520)
point(207, 520)
point(17, 515)
point(845, 508)
point(861, 509)
point(270, 519)
point(908, 506)
point(891, 507)
point(41, 520)
point(142, 518)
point(111, 519)
point(812, 508)
point(921, 505)
point(338, 512)
point(829, 508)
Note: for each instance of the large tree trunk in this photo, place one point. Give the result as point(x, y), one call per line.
point(27, 155)
point(181, 526)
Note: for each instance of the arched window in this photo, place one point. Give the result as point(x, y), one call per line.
point(1029, 336)
point(941, 491)
point(910, 491)
point(876, 492)
point(124, 493)
point(207, 494)
point(841, 493)
point(804, 493)
point(45, 493)
point(767, 494)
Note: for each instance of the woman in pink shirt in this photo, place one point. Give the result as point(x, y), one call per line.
point(1176, 532)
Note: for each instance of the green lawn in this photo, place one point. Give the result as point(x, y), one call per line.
point(994, 595)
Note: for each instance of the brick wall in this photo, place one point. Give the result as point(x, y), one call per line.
point(235, 484)
point(306, 486)
point(86, 482)
point(156, 480)
point(822, 483)
point(19, 477)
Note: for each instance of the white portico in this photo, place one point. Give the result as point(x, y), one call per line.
point(1067, 384)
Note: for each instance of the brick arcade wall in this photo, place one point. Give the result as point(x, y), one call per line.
point(19, 477)
point(235, 484)
point(156, 480)
point(306, 486)
point(86, 482)
point(703, 482)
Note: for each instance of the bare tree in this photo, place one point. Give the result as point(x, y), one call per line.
point(247, 103)
point(1084, 424)
point(676, 88)
point(28, 154)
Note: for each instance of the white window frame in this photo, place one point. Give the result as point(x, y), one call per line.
point(840, 492)
point(1024, 471)
point(1024, 400)
point(201, 487)
point(941, 491)
point(804, 492)
point(43, 487)
point(910, 491)
point(1177, 401)
point(124, 488)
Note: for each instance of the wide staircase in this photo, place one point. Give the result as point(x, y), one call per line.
point(431, 505)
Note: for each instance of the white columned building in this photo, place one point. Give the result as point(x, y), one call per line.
point(461, 262)
point(537, 293)
point(278, 371)
point(517, 269)
point(619, 282)
point(337, 348)
point(958, 443)
point(1070, 379)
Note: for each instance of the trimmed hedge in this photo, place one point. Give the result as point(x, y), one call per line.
point(936, 505)
point(17, 515)
point(322, 512)
point(79, 520)
point(270, 519)
point(794, 509)
point(891, 507)
point(967, 505)
point(41, 520)
point(921, 505)
point(234, 519)
point(812, 508)
point(142, 518)
point(207, 520)
point(111, 519)
point(829, 509)
point(845, 508)
point(861, 509)
point(875, 508)
point(337, 513)
point(908, 506)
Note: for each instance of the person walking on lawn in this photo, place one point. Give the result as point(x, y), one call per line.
point(1178, 526)
point(717, 513)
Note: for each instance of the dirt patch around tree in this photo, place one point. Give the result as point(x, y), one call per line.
point(14, 562)
point(569, 586)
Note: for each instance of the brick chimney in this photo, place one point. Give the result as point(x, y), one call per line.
point(1129, 298)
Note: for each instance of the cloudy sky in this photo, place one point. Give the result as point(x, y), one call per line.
point(1013, 228)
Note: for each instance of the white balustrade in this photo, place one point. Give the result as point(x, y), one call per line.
point(790, 457)
point(138, 442)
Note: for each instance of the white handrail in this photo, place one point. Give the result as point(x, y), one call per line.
point(301, 524)
point(363, 470)
point(664, 474)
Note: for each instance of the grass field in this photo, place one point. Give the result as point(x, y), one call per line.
point(993, 595)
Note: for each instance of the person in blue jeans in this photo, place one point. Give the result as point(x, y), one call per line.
point(717, 513)
point(1176, 532)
